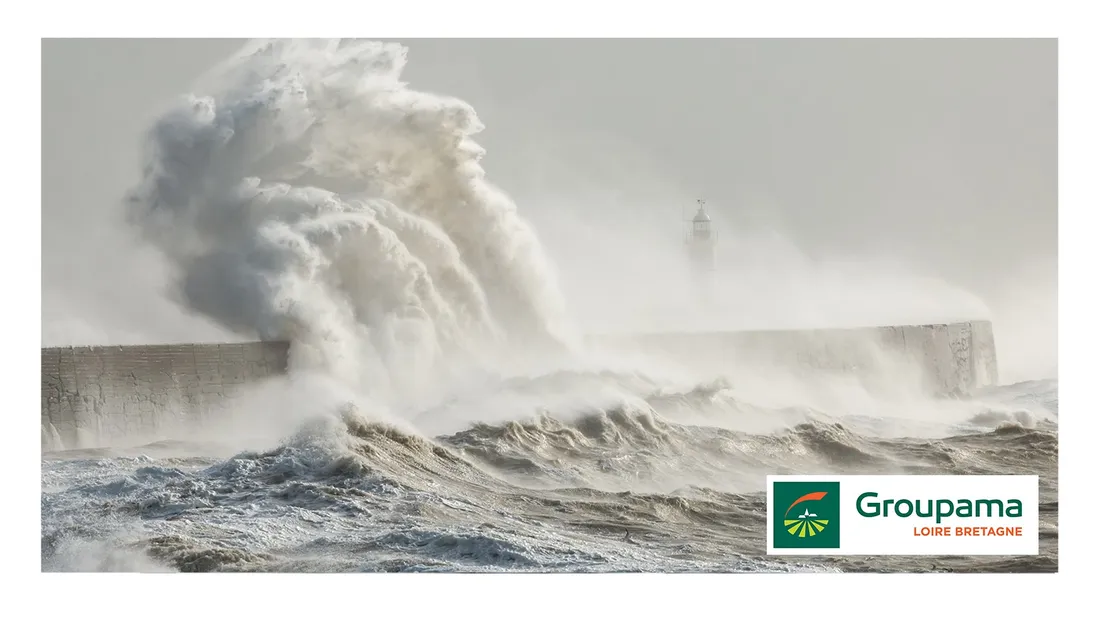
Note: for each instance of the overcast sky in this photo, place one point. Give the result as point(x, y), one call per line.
point(938, 153)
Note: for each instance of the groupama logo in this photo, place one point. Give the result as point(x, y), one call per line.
point(805, 514)
point(805, 523)
point(959, 515)
point(869, 505)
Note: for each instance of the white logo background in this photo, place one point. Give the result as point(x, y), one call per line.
point(893, 535)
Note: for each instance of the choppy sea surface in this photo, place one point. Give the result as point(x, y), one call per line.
point(671, 482)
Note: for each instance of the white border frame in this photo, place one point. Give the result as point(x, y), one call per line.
point(536, 596)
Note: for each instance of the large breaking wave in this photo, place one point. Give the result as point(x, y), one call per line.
point(306, 193)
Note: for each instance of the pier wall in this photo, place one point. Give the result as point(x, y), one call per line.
point(92, 395)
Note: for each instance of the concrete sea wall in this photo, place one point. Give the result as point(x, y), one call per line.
point(94, 395)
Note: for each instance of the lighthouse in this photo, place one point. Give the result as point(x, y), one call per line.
point(702, 241)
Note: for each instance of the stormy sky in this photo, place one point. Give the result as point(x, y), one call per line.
point(939, 155)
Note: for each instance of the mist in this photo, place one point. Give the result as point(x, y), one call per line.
point(852, 182)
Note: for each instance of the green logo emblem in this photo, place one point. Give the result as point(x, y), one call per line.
point(806, 514)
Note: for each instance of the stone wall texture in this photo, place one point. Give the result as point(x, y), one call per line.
point(92, 394)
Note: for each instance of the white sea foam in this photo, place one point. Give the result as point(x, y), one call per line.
point(306, 193)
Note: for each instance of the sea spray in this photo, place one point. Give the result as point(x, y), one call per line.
point(306, 193)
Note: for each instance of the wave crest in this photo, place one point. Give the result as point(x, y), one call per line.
point(310, 195)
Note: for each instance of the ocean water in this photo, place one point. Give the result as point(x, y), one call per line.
point(650, 487)
point(443, 413)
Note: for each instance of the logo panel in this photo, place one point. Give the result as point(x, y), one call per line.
point(806, 514)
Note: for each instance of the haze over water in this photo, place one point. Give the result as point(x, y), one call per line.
point(444, 411)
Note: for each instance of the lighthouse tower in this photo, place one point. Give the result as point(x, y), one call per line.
point(702, 241)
